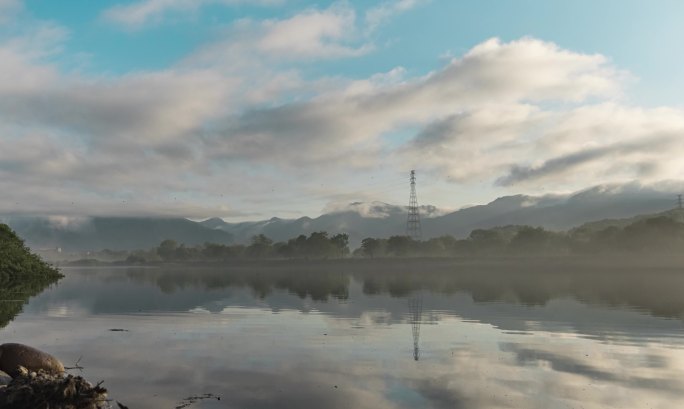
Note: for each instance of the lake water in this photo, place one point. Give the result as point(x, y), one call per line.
point(411, 336)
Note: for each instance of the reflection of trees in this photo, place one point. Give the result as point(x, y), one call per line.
point(656, 290)
point(400, 286)
point(15, 293)
point(371, 286)
point(318, 285)
point(261, 286)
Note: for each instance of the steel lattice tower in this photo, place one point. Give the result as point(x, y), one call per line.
point(416, 316)
point(413, 228)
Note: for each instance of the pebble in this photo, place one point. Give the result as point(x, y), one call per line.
point(4, 379)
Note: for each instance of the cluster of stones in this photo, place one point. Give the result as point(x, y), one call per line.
point(30, 378)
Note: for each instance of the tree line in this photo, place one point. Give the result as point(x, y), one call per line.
point(651, 235)
point(655, 235)
point(316, 245)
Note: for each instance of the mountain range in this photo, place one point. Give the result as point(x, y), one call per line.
point(553, 212)
point(359, 220)
point(114, 233)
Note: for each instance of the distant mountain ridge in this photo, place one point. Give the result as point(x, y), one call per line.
point(674, 214)
point(358, 220)
point(553, 212)
point(114, 233)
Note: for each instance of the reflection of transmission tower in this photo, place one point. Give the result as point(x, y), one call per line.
point(413, 229)
point(679, 202)
point(416, 312)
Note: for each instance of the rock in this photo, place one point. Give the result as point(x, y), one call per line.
point(54, 391)
point(4, 379)
point(14, 355)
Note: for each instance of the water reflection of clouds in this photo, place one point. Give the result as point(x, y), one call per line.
point(254, 360)
point(60, 311)
point(355, 353)
point(541, 373)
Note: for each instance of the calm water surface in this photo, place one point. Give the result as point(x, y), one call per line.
point(275, 337)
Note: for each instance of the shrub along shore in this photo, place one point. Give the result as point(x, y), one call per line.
point(17, 261)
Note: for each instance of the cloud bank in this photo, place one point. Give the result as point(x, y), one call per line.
point(236, 121)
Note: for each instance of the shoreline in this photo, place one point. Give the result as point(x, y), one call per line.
point(603, 261)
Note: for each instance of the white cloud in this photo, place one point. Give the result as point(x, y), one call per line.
point(532, 149)
point(312, 34)
point(525, 113)
point(350, 125)
point(608, 141)
point(142, 12)
point(486, 118)
point(534, 70)
point(68, 143)
point(269, 45)
point(378, 15)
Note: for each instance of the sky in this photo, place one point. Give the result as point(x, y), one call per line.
point(249, 109)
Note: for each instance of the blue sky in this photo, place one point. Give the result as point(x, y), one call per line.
point(642, 37)
point(249, 109)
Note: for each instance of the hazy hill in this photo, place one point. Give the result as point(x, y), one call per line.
point(674, 214)
point(350, 222)
point(113, 233)
point(554, 212)
point(359, 220)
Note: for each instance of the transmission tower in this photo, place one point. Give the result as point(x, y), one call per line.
point(416, 315)
point(413, 228)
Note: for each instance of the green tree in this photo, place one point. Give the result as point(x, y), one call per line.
point(438, 246)
point(260, 246)
point(448, 243)
point(235, 251)
point(341, 244)
point(530, 240)
point(167, 249)
point(298, 246)
point(657, 234)
point(183, 253)
point(604, 240)
point(401, 245)
point(487, 241)
point(135, 259)
point(213, 251)
point(16, 260)
point(319, 245)
point(370, 246)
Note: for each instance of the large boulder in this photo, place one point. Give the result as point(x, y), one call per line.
point(12, 356)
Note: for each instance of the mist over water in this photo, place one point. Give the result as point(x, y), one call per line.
point(539, 334)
